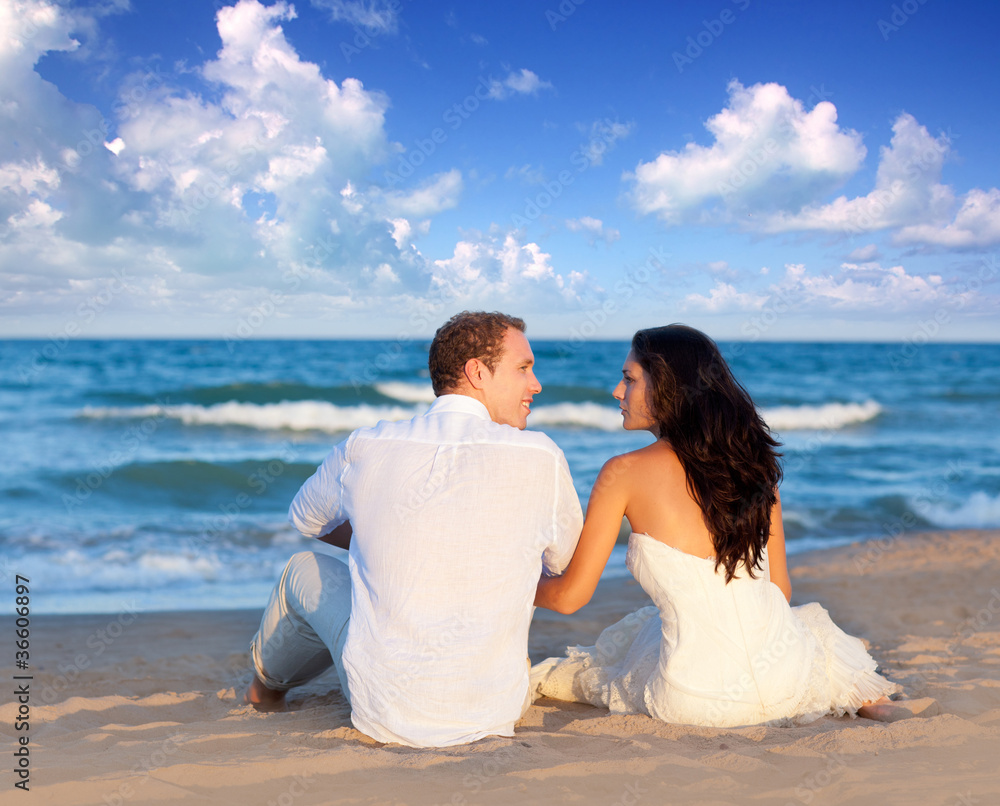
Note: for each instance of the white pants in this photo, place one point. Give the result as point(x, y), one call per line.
point(304, 627)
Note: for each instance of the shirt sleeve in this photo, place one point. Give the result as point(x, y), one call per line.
point(567, 521)
point(318, 507)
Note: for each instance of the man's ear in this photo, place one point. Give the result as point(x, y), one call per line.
point(474, 370)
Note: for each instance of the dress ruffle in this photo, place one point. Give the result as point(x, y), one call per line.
point(599, 674)
point(849, 671)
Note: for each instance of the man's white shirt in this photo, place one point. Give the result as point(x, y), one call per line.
point(454, 518)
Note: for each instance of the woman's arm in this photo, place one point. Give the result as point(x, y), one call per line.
point(571, 591)
point(777, 561)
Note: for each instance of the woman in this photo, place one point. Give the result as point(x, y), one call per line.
point(722, 646)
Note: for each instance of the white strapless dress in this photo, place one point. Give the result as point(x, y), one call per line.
point(714, 654)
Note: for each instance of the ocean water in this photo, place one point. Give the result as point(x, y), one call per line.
point(157, 474)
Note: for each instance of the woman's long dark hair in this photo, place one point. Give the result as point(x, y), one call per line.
point(724, 446)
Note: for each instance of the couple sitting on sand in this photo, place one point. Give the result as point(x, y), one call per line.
point(458, 521)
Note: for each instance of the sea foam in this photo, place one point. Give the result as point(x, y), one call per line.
point(979, 511)
point(318, 415)
point(407, 392)
point(580, 415)
point(829, 416)
point(302, 415)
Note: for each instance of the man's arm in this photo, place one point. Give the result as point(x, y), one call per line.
point(317, 510)
point(567, 522)
point(339, 537)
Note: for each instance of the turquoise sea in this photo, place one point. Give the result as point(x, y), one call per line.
point(157, 474)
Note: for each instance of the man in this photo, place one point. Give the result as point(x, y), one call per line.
point(449, 518)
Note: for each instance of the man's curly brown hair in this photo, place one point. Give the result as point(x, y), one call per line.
point(469, 334)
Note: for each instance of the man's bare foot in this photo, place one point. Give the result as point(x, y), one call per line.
point(264, 699)
point(886, 710)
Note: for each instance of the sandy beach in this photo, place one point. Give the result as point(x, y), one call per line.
point(144, 708)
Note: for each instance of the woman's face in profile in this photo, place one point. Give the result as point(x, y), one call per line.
point(631, 393)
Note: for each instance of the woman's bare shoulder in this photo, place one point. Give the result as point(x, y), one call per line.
point(640, 461)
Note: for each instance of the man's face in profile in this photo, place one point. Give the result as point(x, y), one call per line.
point(510, 389)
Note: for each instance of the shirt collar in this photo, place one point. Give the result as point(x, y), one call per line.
point(462, 404)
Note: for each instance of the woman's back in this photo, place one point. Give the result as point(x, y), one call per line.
point(659, 503)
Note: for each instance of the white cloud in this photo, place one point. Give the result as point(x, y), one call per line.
point(604, 134)
point(405, 231)
point(768, 151)
point(268, 84)
point(486, 267)
point(909, 199)
point(115, 146)
point(38, 214)
point(435, 194)
point(279, 130)
point(907, 188)
point(527, 173)
point(722, 269)
point(775, 160)
point(438, 193)
point(295, 162)
point(849, 289)
point(32, 29)
point(976, 224)
point(521, 82)
point(722, 298)
point(864, 254)
point(594, 229)
point(214, 194)
point(865, 287)
point(53, 162)
point(380, 275)
point(376, 16)
point(281, 134)
point(23, 177)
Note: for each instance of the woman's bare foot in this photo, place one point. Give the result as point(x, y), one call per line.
point(886, 710)
point(264, 699)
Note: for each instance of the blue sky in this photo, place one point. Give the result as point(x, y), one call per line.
point(331, 168)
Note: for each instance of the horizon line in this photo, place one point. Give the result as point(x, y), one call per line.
point(429, 337)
